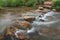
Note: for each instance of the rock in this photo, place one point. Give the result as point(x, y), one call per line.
point(29, 18)
point(40, 9)
point(46, 10)
point(22, 36)
point(22, 24)
point(42, 20)
point(54, 10)
point(9, 30)
point(47, 4)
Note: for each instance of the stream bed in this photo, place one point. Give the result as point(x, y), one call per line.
point(45, 27)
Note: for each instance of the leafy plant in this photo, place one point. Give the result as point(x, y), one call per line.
point(56, 4)
point(40, 1)
point(31, 2)
point(1, 4)
point(20, 2)
point(15, 3)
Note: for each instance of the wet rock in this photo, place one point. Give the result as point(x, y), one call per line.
point(54, 10)
point(9, 33)
point(9, 37)
point(40, 16)
point(47, 4)
point(46, 10)
point(22, 24)
point(22, 36)
point(40, 9)
point(42, 20)
point(29, 18)
point(9, 30)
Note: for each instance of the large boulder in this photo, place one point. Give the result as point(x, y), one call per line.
point(29, 18)
point(22, 24)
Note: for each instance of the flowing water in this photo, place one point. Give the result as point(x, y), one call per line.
point(50, 23)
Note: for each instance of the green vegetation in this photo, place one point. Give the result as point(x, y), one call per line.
point(18, 3)
point(15, 3)
point(56, 4)
point(1, 4)
point(31, 3)
point(34, 2)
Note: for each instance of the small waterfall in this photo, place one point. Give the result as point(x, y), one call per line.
point(51, 20)
point(44, 17)
point(32, 30)
point(37, 24)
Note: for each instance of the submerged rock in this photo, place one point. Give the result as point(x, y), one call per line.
point(45, 30)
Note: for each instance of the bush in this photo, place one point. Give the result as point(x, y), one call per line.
point(11, 3)
point(40, 1)
point(31, 3)
point(20, 2)
point(14, 3)
point(56, 4)
point(1, 4)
